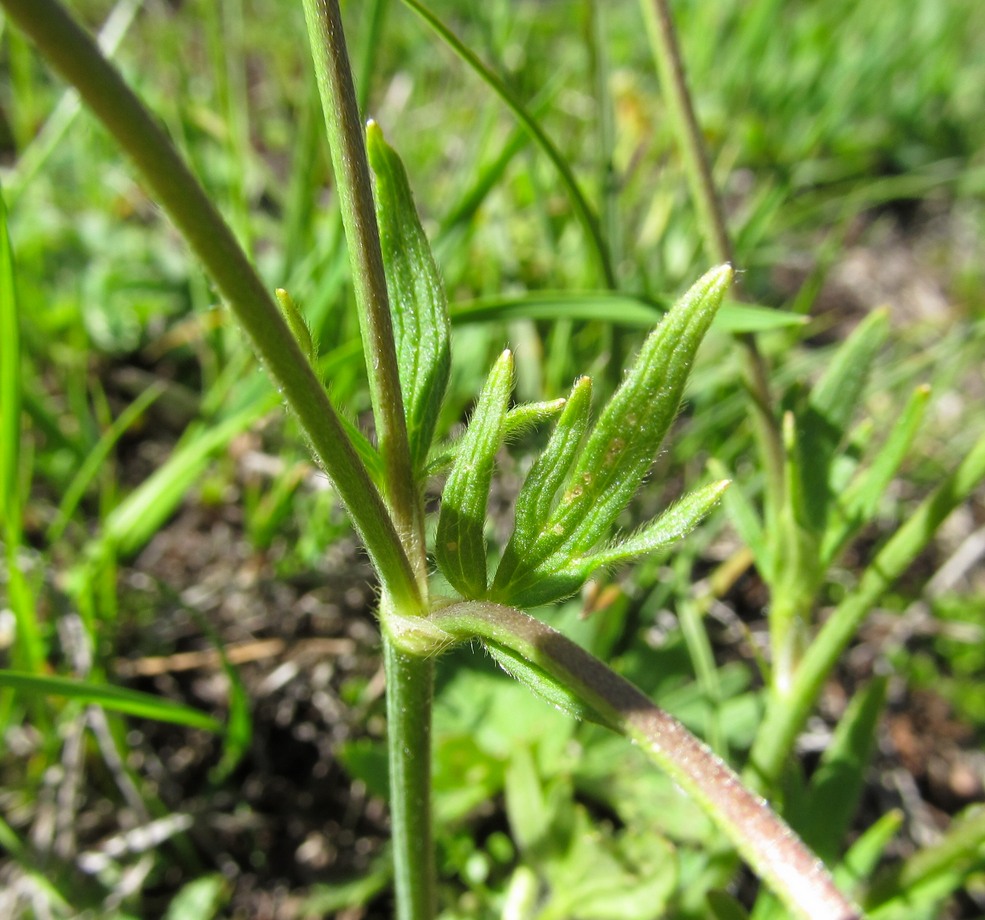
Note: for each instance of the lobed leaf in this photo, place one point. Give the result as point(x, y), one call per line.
point(418, 302)
point(460, 545)
point(599, 484)
point(559, 576)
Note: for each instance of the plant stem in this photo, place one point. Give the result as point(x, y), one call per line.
point(355, 191)
point(711, 217)
point(409, 677)
point(761, 836)
point(409, 685)
point(785, 715)
point(72, 52)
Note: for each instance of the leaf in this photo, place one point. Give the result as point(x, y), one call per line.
point(619, 451)
point(867, 852)
point(201, 899)
point(460, 545)
point(612, 307)
point(519, 420)
point(535, 502)
point(418, 302)
point(857, 504)
point(527, 806)
point(830, 407)
point(825, 813)
point(297, 323)
point(559, 576)
point(674, 524)
point(120, 699)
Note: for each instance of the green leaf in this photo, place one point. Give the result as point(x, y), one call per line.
point(527, 806)
point(297, 323)
point(933, 873)
point(746, 519)
point(612, 307)
point(201, 899)
point(830, 407)
point(560, 575)
point(536, 500)
point(460, 546)
point(417, 297)
point(618, 453)
point(673, 525)
point(119, 699)
point(519, 420)
point(824, 814)
point(867, 852)
point(858, 503)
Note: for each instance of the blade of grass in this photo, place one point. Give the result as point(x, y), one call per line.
point(614, 307)
point(118, 699)
point(33, 158)
point(29, 649)
point(93, 463)
point(579, 203)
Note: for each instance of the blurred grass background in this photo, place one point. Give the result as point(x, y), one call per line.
point(847, 141)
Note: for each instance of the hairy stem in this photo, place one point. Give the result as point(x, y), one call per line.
point(409, 686)
point(74, 54)
point(355, 190)
point(764, 840)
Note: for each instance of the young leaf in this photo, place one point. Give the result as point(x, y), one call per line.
point(559, 576)
point(519, 420)
point(417, 297)
point(826, 811)
point(535, 502)
point(460, 545)
point(623, 441)
point(297, 322)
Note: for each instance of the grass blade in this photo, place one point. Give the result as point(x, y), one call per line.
point(118, 699)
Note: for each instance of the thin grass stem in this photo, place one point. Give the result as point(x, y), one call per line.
point(582, 208)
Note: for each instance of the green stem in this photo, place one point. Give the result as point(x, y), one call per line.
point(711, 217)
point(71, 51)
point(769, 845)
point(409, 687)
point(355, 191)
point(785, 715)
